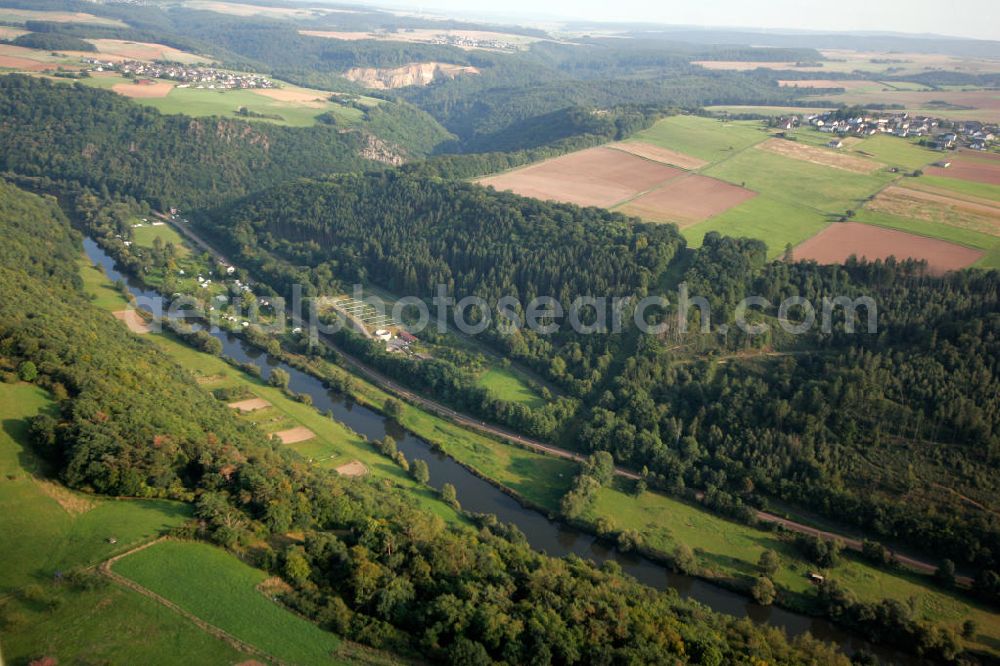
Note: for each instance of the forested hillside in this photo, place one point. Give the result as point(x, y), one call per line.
point(98, 139)
point(410, 234)
point(861, 427)
point(370, 565)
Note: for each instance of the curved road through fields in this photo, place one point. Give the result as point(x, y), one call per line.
point(477, 425)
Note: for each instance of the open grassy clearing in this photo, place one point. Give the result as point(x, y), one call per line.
point(506, 385)
point(735, 109)
point(823, 188)
point(765, 218)
point(221, 590)
point(990, 245)
point(50, 528)
point(148, 233)
point(708, 139)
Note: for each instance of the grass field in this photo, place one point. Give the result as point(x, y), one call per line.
point(506, 385)
point(50, 528)
point(988, 244)
point(221, 590)
point(823, 188)
point(147, 233)
point(110, 625)
point(968, 187)
point(705, 138)
point(775, 222)
point(897, 152)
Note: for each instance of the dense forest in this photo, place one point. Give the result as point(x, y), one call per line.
point(861, 427)
point(372, 566)
point(410, 234)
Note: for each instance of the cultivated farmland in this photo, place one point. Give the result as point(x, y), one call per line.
point(969, 168)
point(821, 156)
point(707, 139)
point(839, 241)
point(593, 177)
point(687, 200)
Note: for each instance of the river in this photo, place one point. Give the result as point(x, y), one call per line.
point(477, 495)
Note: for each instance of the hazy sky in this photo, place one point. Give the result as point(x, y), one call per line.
point(962, 18)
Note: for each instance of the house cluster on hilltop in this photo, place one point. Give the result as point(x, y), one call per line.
point(188, 76)
point(936, 133)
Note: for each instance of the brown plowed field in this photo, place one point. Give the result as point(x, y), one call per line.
point(968, 168)
point(688, 200)
point(839, 241)
point(592, 177)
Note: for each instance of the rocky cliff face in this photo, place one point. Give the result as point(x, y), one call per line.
point(414, 74)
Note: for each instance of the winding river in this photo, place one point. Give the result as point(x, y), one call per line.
point(477, 495)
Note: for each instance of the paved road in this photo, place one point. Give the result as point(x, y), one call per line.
point(461, 419)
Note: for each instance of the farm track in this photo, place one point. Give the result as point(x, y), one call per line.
point(482, 427)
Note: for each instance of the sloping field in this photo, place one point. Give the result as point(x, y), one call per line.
point(839, 241)
point(777, 223)
point(708, 139)
point(592, 177)
point(659, 154)
point(687, 200)
point(897, 152)
point(822, 156)
point(969, 168)
point(826, 189)
point(218, 588)
point(938, 208)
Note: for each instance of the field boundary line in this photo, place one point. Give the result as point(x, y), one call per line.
point(106, 569)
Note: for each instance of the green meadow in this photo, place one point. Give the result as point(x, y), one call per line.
point(148, 233)
point(775, 222)
point(896, 152)
point(217, 587)
point(504, 384)
point(823, 188)
point(709, 139)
